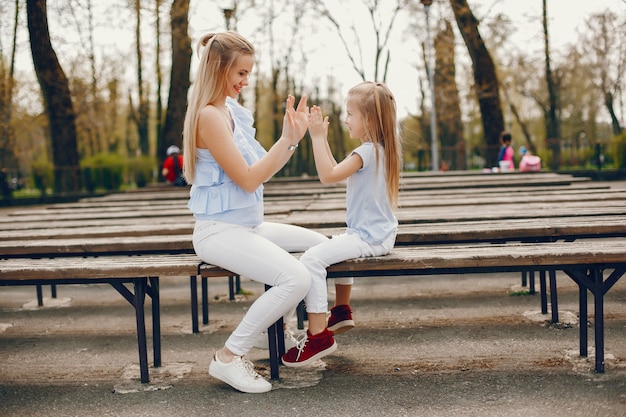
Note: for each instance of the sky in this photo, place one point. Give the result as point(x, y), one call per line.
point(325, 54)
point(328, 56)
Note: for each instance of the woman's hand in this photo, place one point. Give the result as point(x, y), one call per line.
point(296, 121)
point(318, 125)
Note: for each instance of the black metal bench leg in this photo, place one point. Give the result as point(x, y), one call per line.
point(554, 303)
point(583, 318)
point(139, 300)
point(276, 344)
point(598, 302)
point(301, 314)
point(205, 301)
point(39, 296)
point(231, 288)
point(543, 292)
point(193, 287)
point(531, 282)
point(53, 291)
point(156, 320)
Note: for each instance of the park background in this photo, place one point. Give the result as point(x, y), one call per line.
point(92, 93)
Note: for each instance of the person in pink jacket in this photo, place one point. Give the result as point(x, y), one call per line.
point(505, 158)
point(529, 162)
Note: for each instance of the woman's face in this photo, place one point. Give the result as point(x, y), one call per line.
point(238, 76)
point(354, 120)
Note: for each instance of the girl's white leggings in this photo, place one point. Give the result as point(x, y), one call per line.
point(262, 254)
point(338, 249)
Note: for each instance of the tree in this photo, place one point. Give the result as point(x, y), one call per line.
point(552, 112)
point(382, 34)
point(449, 123)
point(141, 114)
point(7, 82)
point(179, 78)
point(57, 100)
point(605, 44)
point(89, 123)
point(485, 79)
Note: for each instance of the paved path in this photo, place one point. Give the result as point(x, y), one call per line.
point(427, 346)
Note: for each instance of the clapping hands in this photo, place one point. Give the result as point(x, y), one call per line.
point(296, 120)
point(318, 124)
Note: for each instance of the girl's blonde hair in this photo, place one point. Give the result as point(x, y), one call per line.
point(218, 53)
point(377, 105)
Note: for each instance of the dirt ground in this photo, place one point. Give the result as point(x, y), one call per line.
point(458, 345)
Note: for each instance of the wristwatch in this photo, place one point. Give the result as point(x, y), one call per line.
point(292, 147)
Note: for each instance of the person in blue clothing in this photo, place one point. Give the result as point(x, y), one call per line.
point(505, 156)
point(226, 168)
point(373, 174)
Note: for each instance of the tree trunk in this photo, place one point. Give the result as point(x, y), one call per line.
point(523, 125)
point(159, 116)
point(179, 78)
point(143, 106)
point(553, 127)
point(448, 104)
point(608, 102)
point(57, 99)
point(7, 82)
point(485, 77)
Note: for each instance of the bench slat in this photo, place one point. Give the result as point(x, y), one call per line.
point(98, 267)
point(426, 259)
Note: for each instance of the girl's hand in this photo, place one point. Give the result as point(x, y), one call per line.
point(296, 120)
point(318, 125)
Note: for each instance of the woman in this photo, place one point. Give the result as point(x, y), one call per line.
point(227, 168)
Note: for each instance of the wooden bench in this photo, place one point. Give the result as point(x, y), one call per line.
point(158, 224)
point(584, 261)
point(140, 271)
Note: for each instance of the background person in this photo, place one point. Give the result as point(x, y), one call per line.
point(529, 162)
point(173, 167)
point(505, 157)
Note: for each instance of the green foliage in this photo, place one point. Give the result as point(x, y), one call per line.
point(114, 171)
point(104, 171)
point(618, 150)
point(42, 174)
point(140, 170)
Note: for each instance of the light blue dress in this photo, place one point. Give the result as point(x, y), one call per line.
point(214, 195)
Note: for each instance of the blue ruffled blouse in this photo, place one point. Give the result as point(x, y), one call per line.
point(214, 195)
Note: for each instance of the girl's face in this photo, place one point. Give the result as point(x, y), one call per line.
point(354, 120)
point(238, 75)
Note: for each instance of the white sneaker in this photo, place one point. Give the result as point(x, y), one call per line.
point(239, 374)
point(262, 341)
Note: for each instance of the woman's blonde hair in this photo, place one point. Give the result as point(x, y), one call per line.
point(377, 105)
point(218, 53)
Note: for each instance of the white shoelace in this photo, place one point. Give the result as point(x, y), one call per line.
point(300, 344)
point(247, 367)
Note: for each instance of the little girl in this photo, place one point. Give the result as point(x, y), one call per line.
point(373, 173)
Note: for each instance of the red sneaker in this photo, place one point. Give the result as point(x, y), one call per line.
point(309, 349)
point(340, 320)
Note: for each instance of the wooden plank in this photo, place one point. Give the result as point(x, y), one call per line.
point(167, 214)
point(104, 245)
point(511, 256)
point(336, 218)
point(104, 267)
point(504, 229)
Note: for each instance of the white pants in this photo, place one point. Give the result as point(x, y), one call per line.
point(339, 248)
point(261, 254)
